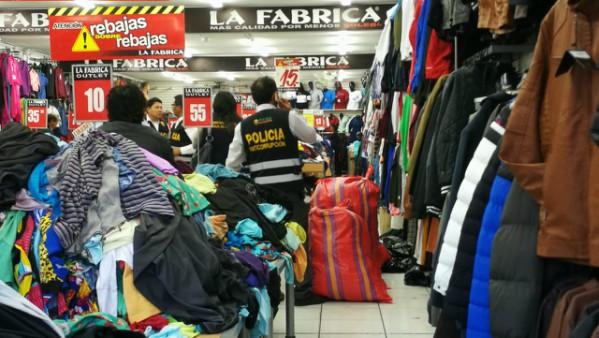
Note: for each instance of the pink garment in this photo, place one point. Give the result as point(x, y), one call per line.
point(14, 80)
point(34, 78)
point(160, 163)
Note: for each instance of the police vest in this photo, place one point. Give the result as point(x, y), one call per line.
point(271, 149)
point(179, 137)
point(162, 128)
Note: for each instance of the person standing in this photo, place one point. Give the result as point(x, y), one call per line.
point(155, 117)
point(182, 138)
point(267, 143)
point(126, 105)
point(223, 130)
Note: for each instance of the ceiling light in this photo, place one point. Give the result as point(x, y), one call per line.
point(226, 75)
point(189, 52)
point(87, 4)
point(345, 2)
point(218, 4)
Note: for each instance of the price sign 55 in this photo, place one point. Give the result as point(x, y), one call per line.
point(197, 107)
point(37, 114)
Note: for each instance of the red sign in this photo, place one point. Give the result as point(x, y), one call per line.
point(91, 84)
point(112, 32)
point(248, 109)
point(288, 72)
point(72, 123)
point(37, 113)
point(321, 121)
point(197, 107)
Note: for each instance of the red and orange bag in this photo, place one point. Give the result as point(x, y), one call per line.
point(345, 252)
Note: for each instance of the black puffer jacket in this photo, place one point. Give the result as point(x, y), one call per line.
point(516, 270)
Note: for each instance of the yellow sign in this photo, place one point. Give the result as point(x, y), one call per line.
point(309, 116)
point(85, 42)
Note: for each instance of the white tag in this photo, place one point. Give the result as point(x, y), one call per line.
point(580, 54)
point(521, 11)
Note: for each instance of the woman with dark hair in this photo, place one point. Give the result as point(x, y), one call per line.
point(225, 120)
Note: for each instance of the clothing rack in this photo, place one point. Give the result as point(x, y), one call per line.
point(498, 50)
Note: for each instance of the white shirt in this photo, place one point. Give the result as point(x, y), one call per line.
point(355, 98)
point(149, 123)
point(192, 133)
point(297, 124)
point(407, 18)
point(316, 97)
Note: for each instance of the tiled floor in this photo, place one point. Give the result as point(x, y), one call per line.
point(405, 318)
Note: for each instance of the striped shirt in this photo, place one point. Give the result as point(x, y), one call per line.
point(83, 178)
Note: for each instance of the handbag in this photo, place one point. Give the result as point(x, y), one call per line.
point(203, 154)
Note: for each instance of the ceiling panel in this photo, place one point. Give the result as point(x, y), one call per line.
point(194, 3)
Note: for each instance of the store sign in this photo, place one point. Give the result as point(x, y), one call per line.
point(24, 22)
point(197, 107)
point(234, 64)
point(91, 84)
point(37, 113)
point(137, 32)
point(285, 19)
point(321, 121)
point(288, 72)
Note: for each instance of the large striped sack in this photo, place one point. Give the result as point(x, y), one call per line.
point(361, 195)
point(342, 268)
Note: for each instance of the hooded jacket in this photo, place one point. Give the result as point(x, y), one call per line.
point(547, 144)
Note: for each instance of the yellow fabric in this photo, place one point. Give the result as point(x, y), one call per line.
point(189, 331)
point(201, 183)
point(300, 263)
point(138, 307)
point(298, 230)
point(23, 281)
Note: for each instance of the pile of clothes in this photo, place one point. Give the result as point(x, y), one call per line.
point(101, 236)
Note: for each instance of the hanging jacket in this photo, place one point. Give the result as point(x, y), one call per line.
point(466, 196)
point(547, 145)
point(457, 297)
point(479, 325)
point(59, 84)
point(516, 274)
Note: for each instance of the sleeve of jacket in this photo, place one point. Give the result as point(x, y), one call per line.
point(521, 150)
point(447, 139)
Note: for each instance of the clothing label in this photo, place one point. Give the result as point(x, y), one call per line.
point(521, 12)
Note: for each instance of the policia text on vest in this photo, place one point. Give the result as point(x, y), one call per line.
point(265, 139)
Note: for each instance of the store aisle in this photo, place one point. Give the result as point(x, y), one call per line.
point(405, 318)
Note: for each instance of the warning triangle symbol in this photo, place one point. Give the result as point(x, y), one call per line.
point(85, 42)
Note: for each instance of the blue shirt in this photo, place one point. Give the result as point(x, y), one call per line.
point(328, 101)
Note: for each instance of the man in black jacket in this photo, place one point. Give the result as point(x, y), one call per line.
point(126, 106)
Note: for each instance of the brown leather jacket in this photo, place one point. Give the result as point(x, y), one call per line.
point(547, 144)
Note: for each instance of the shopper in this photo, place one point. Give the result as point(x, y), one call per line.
point(181, 137)
point(155, 117)
point(221, 134)
point(126, 106)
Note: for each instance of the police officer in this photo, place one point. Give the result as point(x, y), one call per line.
point(181, 137)
point(155, 117)
point(267, 143)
